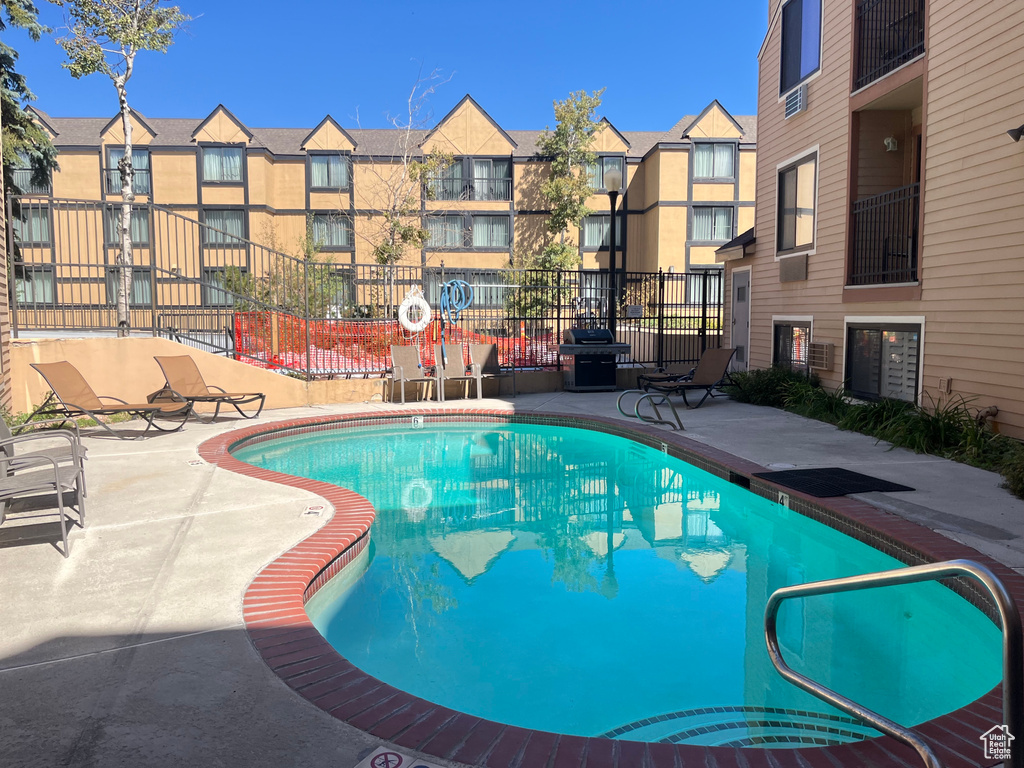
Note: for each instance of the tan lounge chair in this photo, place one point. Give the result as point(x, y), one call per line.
point(711, 371)
point(72, 397)
point(453, 370)
point(405, 367)
point(185, 382)
point(483, 359)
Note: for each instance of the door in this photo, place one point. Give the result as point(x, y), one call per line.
point(740, 318)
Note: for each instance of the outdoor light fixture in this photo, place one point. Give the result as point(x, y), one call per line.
point(613, 183)
point(891, 145)
point(1015, 133)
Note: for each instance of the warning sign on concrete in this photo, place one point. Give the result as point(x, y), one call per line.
point(387, 757)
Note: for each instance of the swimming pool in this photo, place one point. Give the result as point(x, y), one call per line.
point(578, 582)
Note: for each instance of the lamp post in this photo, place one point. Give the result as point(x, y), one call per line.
point(613, 183)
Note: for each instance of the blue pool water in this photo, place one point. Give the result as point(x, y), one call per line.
point(577, 582)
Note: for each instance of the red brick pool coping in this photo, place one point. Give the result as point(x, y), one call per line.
point(281, 631)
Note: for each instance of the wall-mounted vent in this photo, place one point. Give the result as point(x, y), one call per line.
point(820, 355)
point(796, 101)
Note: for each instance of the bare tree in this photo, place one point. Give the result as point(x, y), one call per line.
point(105, 36)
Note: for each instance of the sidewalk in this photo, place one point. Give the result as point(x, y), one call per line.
point(133, 652)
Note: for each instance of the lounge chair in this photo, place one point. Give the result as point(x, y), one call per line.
point(406, 367)
point(185, 382)
point(711, 371)
point(664, 374)
point(452, 370)
point(72, 397)
point(483, 359)
point(26, 476)
point(73, 452)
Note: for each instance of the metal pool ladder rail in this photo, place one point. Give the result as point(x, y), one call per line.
point(644, 396)
point(1013, 648)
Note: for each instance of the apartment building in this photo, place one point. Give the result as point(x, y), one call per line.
point(888, 248)
point(687, 190)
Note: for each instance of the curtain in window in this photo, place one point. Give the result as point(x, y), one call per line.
point(231, 224)
point(703, 224)
point(595, 175)
point(595, 231)
point(232, 165)
point(34, 287)
point(139, 228)
point(483, 183)
point(703, 161)
point(613, 163)
point(723, 224)
point(723, 161)
point(331, 230)
point(222, 164)
point(491, 231)
point(33, 226)
point(213, 167)
point(328, 171)
point(444, 231)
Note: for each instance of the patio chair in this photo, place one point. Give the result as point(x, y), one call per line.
point(27, 476)
point(711, 372)
point(483, 360)
point(664, 374)
point(73, 452)
point(452, 370)
point(185, 382)
point(406, 367)
point(72, 397)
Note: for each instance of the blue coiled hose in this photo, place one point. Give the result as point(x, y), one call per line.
point(456, 295)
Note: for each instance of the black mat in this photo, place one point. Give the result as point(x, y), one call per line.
point(829, 481)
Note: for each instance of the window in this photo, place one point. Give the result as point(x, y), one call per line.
point(33, 284)
point(141, 292)
point(712, 223)
point(882, 361)
point(222, 164)
point(217, 285)
point(491, 232)
point(24, 177)
point(797, 194)
point(446, 184)
point(112, 226)
point(445, 231)
point(32, 225)
point(801, 42)
point(224, 227)
point(790, 345)
point(597, 170)
point(596, 230)
point(488, 286)
point(492, 179)
point(328, 172)
point(140, 165)
point(714, 161)
point(332, 230)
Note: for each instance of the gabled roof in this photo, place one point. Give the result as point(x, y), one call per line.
point(607, 122)
point(328, 120)
point(226, 111)
point(138, 116)
point(44, 120)
point(707, 109)
point(483, 112)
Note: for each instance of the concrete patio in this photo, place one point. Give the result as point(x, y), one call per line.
point(133, 651)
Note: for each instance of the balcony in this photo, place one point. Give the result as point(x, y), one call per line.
point(140, 181)
point(885, 242)
point(22, 179)
point(446, 188)
point(889, 33)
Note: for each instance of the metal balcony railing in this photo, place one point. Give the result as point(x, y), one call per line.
point(889, 34)
point(470, 189)
point(140, 181)
point(22, 178)
point(492, 189)
point(885, 238)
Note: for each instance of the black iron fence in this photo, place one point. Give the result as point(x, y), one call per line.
point(208, 287)
point(889, 34)
point(885, 237)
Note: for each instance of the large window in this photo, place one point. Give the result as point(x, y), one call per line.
point(32, 225)
point(597, 229)
point(712, 223)
point(489, 286)
point(26, 179)
point(597, 170)
point(112, 226)
point(882, 361)
point(140, 167)
point(217, 284)
point(224, 227)
point(714, 161)
point(492, 178)
point(33, 284)
point(445, 231)
point(332, 230)
point(801, 42)
point(328, 172)
point(142, 288)
point(797, 193)
point(491, 232)
point(222, 164)
point(446, 184)
point(790, 345)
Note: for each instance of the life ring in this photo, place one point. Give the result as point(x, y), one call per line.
point(416, 497)
point(414, 299)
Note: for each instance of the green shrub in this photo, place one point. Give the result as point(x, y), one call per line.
point(808, 398)
point(764, 386)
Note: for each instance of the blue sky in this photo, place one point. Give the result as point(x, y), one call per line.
point(358, 61)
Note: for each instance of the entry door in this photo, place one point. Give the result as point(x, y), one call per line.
point(740, 318)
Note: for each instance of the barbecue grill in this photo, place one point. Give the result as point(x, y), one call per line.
point(593, 351)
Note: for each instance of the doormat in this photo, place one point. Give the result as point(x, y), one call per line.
point(829, 481)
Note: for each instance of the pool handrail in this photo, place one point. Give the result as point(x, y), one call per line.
point(654, 405)
point(1013, 647)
